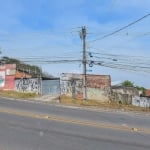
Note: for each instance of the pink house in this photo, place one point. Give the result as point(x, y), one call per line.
point(7, 76)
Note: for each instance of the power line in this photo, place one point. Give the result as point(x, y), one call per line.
point(104, 57)
point(122, 67)
point(130, 61)
point(53, 61)
point(96, 56)
point(130, 24)
point(117, 55)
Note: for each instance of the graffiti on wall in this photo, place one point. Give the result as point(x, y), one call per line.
point(66, 87)
point(2, 78)
point(141, 101)
point(98, 87)
point(28, 85)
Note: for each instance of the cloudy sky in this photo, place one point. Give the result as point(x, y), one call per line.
point(49, 29)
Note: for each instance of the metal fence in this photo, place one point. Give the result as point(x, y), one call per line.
point(51, 87)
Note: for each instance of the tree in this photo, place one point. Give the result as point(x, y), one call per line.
point(21, 66)
point(7, 60)
point(127, 83)
point(131, 84)
point(34, 70)
point(142, 89)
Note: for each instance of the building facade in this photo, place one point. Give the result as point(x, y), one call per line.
point(147, 92)
point(13, 79)
point(123, 94)
point(7, 76)
point(98, 86)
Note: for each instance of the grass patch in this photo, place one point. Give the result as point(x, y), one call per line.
point(14, 94)
point(98, 104)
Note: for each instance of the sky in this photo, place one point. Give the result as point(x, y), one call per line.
point(49, 30)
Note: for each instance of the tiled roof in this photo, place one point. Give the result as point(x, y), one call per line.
point(22, 75)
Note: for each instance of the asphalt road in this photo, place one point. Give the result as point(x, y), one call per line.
point(21, 129)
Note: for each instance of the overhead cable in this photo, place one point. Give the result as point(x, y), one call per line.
point(130, 24)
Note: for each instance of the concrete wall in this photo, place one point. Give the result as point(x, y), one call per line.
point(28, 85)
point(98, 86)
point(125, 90)
point(141, 101)
point(44, 87)
point(7, 76)
point(98, 94)
point(121, 98)
point(123, 94)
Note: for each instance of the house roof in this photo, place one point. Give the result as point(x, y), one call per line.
point(122, 87)
point(20, 75)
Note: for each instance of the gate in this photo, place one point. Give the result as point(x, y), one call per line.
point(51, 87)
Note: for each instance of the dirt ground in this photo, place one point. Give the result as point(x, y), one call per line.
point(97, 104)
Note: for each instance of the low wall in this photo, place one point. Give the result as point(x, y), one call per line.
point(98, 94)
point(28, 85)
point(98, 86)
point(121, 98)
point(141, 101)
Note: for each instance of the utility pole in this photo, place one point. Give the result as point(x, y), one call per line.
point(83, 37)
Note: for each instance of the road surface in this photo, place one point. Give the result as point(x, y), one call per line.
point(32, 126)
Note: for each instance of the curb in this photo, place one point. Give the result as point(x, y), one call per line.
point(92, 108)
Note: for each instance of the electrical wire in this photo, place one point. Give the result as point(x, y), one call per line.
point(124, 27)
point(123, 60)
point(133, 69)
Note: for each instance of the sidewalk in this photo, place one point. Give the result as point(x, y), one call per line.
point(54, 100)
point(47, 98)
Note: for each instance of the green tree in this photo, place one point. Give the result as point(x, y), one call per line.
point(31, 69)
point(34, 70)
point(131, 84)
point(127, 83)
point(142, 89)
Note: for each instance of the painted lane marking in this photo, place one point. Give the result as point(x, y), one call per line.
point(72, 121)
